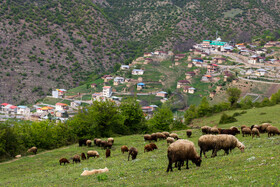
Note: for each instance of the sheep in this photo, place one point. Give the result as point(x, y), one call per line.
point(206, 143)
point(108, 145)
point(180, 151)
point(82, 142)
point(243, 126)
point(235, 129)
point(108, 153)
point(18, 156)
point(189, 133)
point(92, 154)
point(246, 131)
point(63, 160)
point(94, 171)
point(32, 149)
point(133, 152)
point(154, 146)
point(174, 135)
point(160, 135)
point(166, 134)
point(88, 142)
point(102, 143)
point(154, 137)
point(271, 130)
point(147, 137)
point(214, 130)
point(227, 131)
point(110, 140)
point(256, 132)
point(170, 140)
point(205, 129)
point(264, 127)
point(76, 159)
point(124, 148)
point(83, 156)
point(98, 142)
point(94, 141)
point(148, 148)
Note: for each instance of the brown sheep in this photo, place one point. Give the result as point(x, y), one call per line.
point(111, 140)
point(154, 146)
point(63, 160)
point(103, 143)
point(235, 129)
point(124, 149)
point(160, 136)
point(133, 152)
point(246, 131)
point(108, 153)
point(243, 126)
point(205, 129)
point(76, 159)
point(174, 135)
point(108, 145)
point(83, 156)
point(227, 131)
point(189, 133)
point(166, 134)
point(148, 148)
point(214, 130)
point(88, 142)
point(206, 143)
point(147, 137)
point(32, 149)
point(94, 141)
point(256, 132)
point(98, 142)
point(264, 127)
point(271, 130)
point(92, 154)
point(170, 140)
point(180, 151)
point(154, 136)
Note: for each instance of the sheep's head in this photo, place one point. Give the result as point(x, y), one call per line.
point(241, 147)
point(197, 161)
point(97, 156)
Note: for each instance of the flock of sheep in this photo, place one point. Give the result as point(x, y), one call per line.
point(180, 150)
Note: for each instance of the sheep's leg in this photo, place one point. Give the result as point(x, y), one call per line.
point(179, 166)
point(187, 164)
point(200, 152)
point(169, 165)
point(204, 152)
point(175, 165)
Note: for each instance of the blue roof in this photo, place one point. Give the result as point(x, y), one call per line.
point(141, 84)
point(22, 106)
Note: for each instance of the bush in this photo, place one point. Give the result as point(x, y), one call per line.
point(227, 119)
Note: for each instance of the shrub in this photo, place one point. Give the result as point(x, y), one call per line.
point(227, 119)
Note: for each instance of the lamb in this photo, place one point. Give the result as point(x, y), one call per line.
point(174, 135)
point(32, 149)
point(166, 134)
point(154, 146)
point(148, 148)
point(76, 159)
point(264, 127)
point(108, 153)
point(88, 142)
point(180, 151)
point(189, 133)
point(256, 132)
point(82, 142)
point(271, 130)
point(83, 156)
point(63, 160)
point(94, 171)
point(170, 140)
point(124, 148)
point(133, 152)
point(98, 142)
point(246, 131)
point(214, 130)
point(205, 129)
point(111, 140)
point(92, 154)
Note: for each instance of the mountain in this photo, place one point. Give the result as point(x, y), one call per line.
point(59, 43)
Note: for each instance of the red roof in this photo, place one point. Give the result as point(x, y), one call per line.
point(214, 65)
point(61, 104)
point(13, 107)
point(208, 76)
point(5, 104)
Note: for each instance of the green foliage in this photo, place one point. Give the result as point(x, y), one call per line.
point(190, 114)
point(246, 103)
point(204, 108)
point(227, 119)
point(162, 119)
point(233, 96)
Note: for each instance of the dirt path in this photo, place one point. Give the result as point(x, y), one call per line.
point(13, 160)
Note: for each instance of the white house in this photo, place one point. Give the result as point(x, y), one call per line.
point(137, 72)
point(58, 93)
point(75, 104)
point(260, 72)
point(107, 91)
point(124, 67)
point(61, 106)
point(118, 80)
point(23, 110)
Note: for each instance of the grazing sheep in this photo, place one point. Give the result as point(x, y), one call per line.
point(264, 127)
point(124, 148)
point(133, 152)
point(246, 131)
point(170, 140)
point(83, 156)
point(256, 132)
point(271, 130)
point(166, 134)
point(18, 156)
point(147, 137)
point(108, 145)
point(148, 148)
point(94, 141)
point(206, 143)
point(154, 136)
point(235, 129)
point(189, 133)
point(108, 153)
point(103, 143)
point(227, 131)
point(63, 160)
point(205, 129)
point(154, 146)
point(82, 142)
point(111, 140)
point(174, 135)
point(92, 154)
point(98, 142)
point(180, 151)
point(160, 136)
point(94, 171)
point(214, 130)
point(76, 159)
point(243, 126)
point(88, 142)
point(32, 149)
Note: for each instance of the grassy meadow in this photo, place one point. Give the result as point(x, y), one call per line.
point(257, 166)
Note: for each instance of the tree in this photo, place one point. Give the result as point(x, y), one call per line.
point(233, 95)
point(190, 114)
point(246, 103)
point(204, 108)
point(162, 118)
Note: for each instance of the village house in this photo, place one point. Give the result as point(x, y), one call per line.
point(212, 68)
point(219, 60)
point(124, 67)
point(180, 56)
point(58, 93)
point(107, 91)
point(182, 83)
point(148, 60)
point(212, 94)
point(249, 72)
point(177, 63)
point(93, 85)
point(147, 109)
point(8, 108)
point(228, 49)
point(148, 54)
point(190, 74)
point(75, 104)
point(253, 59)
point(137, 72)
point(97, 97)
point(47, 109)
point(2, 107)
point(190, 65)
point(107, 78)
point(163, 100)
point(206, 43)
point(161, 94)
point(140, 86)
point(260, 51)
point(23, 110)
point(206, 78)
point(260, 72)
point(189, 58)
point(118, 80)
point(204, 54)
point(61, 106)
